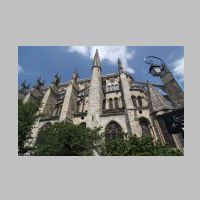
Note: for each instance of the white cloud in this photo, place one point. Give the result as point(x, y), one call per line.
point(179, 67)
point(107, 53)
point(79, 49)
point(20, 69)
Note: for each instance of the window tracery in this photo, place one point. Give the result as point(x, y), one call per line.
point(113, 131)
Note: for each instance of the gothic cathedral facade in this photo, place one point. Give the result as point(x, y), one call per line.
point(115, 102)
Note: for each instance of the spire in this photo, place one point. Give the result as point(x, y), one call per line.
point(158, 101)
point(120, 66)
point(96, 61)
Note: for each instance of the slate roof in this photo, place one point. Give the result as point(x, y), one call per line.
point(157, 101)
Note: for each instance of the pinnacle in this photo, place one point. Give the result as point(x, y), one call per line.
point(96, 61)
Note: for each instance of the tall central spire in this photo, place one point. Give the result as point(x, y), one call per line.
point(95, 98)
point(96, 61)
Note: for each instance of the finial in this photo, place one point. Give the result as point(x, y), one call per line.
point(75, 74)
point(39, 82)
point(56, 79)
point(24, 86)
point(120, 64)
point(96, 61)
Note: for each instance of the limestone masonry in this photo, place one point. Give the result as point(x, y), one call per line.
point(115, 102)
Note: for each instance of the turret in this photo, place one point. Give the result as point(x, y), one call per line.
point(95, 93)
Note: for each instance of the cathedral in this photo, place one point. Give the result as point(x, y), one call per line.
point(115, 102)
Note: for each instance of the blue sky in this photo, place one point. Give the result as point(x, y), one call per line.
point(48, 60)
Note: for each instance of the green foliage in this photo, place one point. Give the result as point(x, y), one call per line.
point(136, 146)
point(27, 115)
point(66, 139)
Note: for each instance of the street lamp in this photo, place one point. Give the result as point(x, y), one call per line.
point(155, 70)
point(159, 69)
point(157, 66)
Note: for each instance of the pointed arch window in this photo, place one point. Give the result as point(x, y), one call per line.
point(140, 101)
point(110, 103)
point(134, 101)
point(79, 106)
point(113, 131)
point(145, 127)
point(112, 87)
point(116, 103)
point(108, 89)
point(104, 104)
point(116, 87)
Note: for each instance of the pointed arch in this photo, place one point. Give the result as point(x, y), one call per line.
point(140, 101)
point(134, 101)
point(113, 130)
point(78, 106)
point(104, 104)
point(83, 124)
point(110, 103)
point(116, 87)
point(116, 103)
point(145, 126)
point(144, 101)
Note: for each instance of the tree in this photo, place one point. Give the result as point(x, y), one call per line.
point(66, 139)
point(136, 146)
point(27, 115)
